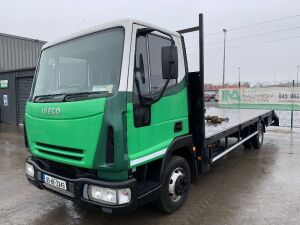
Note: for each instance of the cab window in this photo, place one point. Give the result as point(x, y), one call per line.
point(148, 77)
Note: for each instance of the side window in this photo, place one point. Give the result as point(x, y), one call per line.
point(141, 69)
point(148, 77)
point(155, 45)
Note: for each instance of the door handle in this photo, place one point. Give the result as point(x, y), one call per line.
point(178, 126)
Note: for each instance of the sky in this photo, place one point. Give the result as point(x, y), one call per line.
point(275, 60)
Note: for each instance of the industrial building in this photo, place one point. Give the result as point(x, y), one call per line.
point(18, 59)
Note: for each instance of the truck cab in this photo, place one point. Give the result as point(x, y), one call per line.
point(106, 106)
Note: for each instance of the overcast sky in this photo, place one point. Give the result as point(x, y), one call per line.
point(48, 20)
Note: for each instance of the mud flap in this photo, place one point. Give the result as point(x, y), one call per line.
point(204, 163)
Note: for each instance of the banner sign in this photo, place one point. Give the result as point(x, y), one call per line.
point(279, 98)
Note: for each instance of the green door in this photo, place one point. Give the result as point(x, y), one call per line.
point(151, 129)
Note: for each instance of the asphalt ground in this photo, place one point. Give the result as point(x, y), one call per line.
point(244, 187)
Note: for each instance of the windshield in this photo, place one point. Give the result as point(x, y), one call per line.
point(89, 65)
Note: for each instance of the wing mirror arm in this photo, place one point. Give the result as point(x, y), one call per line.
point(165, 85)
point(169, 58)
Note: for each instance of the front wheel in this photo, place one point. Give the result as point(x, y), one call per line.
point(176, 183)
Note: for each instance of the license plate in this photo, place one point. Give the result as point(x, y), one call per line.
point(55, 182)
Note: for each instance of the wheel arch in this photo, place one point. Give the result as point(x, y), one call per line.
point(181, 146)
point(264, 124)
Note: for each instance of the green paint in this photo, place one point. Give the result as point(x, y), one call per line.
point(115, 116)
point(77, 126)
point(82, 125)
point(231, 95)
point(113, 175)
point(159, 134)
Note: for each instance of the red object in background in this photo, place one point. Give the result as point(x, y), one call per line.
point(216, 87)
point(207, 97)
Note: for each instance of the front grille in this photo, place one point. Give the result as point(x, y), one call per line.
point(64, 170)
point(60, 151)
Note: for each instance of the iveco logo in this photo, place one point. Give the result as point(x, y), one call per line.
point(50, 111)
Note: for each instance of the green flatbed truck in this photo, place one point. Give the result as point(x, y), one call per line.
point(116, 120)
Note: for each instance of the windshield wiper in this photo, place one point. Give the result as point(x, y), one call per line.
point(64, 97)
point(84, 95)
point(50, 98)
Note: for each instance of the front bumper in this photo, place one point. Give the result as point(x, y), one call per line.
point(75, 189)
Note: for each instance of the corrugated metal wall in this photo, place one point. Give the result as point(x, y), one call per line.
point(18, 52)
point(23, 86)
point(9, 113)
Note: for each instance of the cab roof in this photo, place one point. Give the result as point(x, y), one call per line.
point(127, 23)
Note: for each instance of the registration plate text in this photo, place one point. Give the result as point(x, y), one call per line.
point(55, 182)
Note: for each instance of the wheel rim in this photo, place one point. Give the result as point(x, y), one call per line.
point(177, 184)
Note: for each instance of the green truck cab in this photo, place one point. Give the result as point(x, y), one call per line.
point(114, 121)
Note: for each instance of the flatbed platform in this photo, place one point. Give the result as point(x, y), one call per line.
point(238, 118)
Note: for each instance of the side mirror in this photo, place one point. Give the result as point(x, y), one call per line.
point(169, 62)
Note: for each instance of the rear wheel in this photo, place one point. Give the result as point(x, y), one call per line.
point(176, 183)
point(258, 139)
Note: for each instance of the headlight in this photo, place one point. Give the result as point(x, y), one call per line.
point(109, 196)
point(29, 170)
point(100, 194)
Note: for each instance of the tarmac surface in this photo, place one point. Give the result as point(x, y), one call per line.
point(244, 187)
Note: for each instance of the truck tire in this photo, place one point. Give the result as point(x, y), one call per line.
point(257, 140)
point(176, 183)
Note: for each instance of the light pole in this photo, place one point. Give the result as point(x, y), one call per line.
point(298, 67)
point(224, 54)
point(239, 77)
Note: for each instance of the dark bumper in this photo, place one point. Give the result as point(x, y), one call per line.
point(75, 189)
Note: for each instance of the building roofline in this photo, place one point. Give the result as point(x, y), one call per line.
point(22, 38)
point(17, 70)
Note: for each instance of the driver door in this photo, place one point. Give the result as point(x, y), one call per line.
point(151, 128)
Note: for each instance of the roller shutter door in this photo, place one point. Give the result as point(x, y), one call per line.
point(23, 92)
